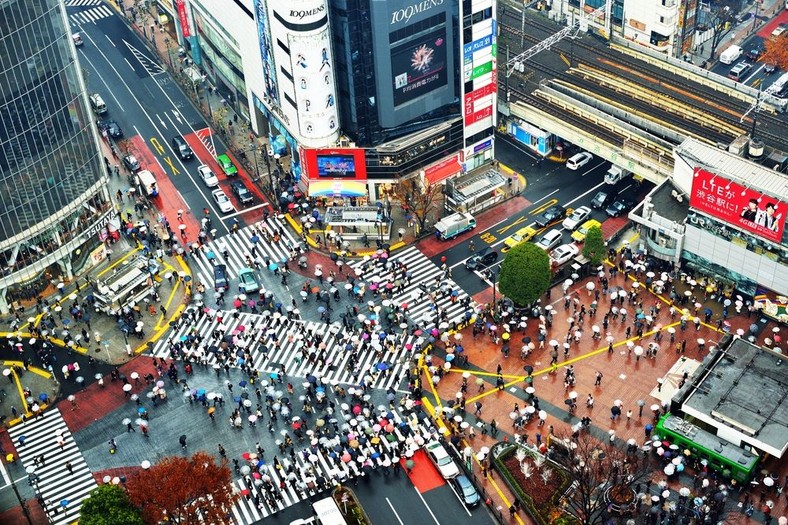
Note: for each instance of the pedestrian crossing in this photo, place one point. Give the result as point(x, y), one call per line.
point(316, 469)
point(425, 278)
point(91, 15)
point(234, 249)
point(62, 491)
point(271, 341)
point(82, 3)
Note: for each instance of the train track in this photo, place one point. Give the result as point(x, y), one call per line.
point(698, 97)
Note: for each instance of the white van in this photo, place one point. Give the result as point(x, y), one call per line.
point(579, 160)
point(730, 55)
point(97, 104)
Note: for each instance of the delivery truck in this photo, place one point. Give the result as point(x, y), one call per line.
point(453, 225)
point(730, 55)
point(616, 174)
point(147, 182)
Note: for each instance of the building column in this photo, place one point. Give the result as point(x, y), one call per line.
point(5, 308)
point(65, 266)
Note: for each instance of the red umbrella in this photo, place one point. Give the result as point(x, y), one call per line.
point(256, 475)
point(237, 303)
point(246, 456)
point(241, 328)
point(356, 410)
point(296, 425)
point(245, 492)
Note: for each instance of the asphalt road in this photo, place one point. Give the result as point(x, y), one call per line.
point(150, 109)
point(393, 499)
point(548, 183)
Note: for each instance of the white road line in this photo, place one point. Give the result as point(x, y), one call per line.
point(394, 511)
point(6, 477)
point(428, 507)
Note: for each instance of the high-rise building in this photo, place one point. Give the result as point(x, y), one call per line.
point(363, 92)
point(54, 201)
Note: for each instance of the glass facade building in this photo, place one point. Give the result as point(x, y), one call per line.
point(53, 186)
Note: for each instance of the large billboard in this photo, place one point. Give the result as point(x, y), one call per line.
point(735, 204)
point(266, 51)
point(419, 66)
point(335, 163)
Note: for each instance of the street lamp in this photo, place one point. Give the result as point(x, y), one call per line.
point(494, 278)
point(168, 42)
point(253, 147)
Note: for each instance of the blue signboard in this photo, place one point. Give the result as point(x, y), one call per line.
point(477, 45)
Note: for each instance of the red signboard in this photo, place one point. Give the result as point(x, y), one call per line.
point(335, 163)
point(184, 18)
point(735, 204)
point(442, 170)
point(483, 91)
point(473, 118)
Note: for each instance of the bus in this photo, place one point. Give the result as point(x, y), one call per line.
point(720, 454)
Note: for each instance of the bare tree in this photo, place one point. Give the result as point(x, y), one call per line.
point(421, 199)
point(600, 471)
point(721, 18)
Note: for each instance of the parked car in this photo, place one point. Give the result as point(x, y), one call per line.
point(576, 218)
point(552, 215)
point(131, 163)
point(481, 259)
point(779, 30)
point(522, 235)
point(564, 253)
point(182, 148)
point(740, 71)
point(466, 490)
point(111, 127)
point(207, 175)
point(579, 160)
point(220, 277)
point(242, 192)
point(770, 68)
point(247, 281)
point(620, 207)
point(602, 199)
point(550, 240)
point(227, 165)
point(442, 460)
point(579, 235)
point(754, 53)
point(223, 201)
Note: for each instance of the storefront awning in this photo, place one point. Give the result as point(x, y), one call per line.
point(337, 188)
point(442, 171)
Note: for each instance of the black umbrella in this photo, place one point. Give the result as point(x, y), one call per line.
point(615, 410)
point(527, 339)
point(568, 402)
point(528, 368)
point(334, 256)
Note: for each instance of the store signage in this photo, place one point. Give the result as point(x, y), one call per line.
point(738, 205)
point(184, 18)
point(406, 13)
point(100, 225)
point(473, 118)
point(477, 45)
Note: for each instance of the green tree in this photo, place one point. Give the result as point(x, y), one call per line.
point(525, 274)
point(109, 505)
point(594, 245)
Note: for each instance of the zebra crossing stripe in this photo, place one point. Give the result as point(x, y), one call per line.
point(93, 14)
point(239, 246)
point(426, 277)
point(260, 333)
point(82, 3)
point(55, 484)
point(315, 464)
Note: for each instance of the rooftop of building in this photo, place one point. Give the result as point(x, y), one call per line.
point(738, 169)
point(665, 199)
point(744, 387)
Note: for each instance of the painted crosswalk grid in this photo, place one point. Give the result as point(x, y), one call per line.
point(249, 244)
point(431, 298)
point(62, 491)
point(87, 16)
point(269, 342)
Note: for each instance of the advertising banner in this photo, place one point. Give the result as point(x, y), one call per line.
point(746, 208)
point(419, 67)
point(184, 18)
point(335, 163)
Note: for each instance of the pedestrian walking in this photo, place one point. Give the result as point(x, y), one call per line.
point(478, 408)
point(512, 511)
point(69, 468)
point(180, 215)
point(598, 381)
point(182, 441)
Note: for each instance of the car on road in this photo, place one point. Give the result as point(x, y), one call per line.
point(247, 281)
point(779, 30)
point(444, 463)
point(578, 160)
point(564, 253)
point(552, 215)
point(77, 39)
point(740, 71)
point(619, 207)
point(481, 259)
point(227, 165)
point(242, 192)
point(754, 53)
point(220, 277)
point(579, 235)
point(576, 218)
point(131, 163)
point(522, 235)
point(208, 176)
point(602, 199)
point(770, 68)
point(550, 240)
point(466, 490)
point(223, 201)
point(182, 148)
point(111, 127)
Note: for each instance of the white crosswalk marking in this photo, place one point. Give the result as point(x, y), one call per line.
point(239, 246)
point(426, 277)
point(316, 470)
point(91, 15)
point(82, 3)
point(272, 342)
point(55, 484)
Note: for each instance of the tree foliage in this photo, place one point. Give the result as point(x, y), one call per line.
point(525, 274)
point(596, 467)
point(421, 200)
point(187, 491)
point(594, 245)
point(777, 51)
point(109, 505)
